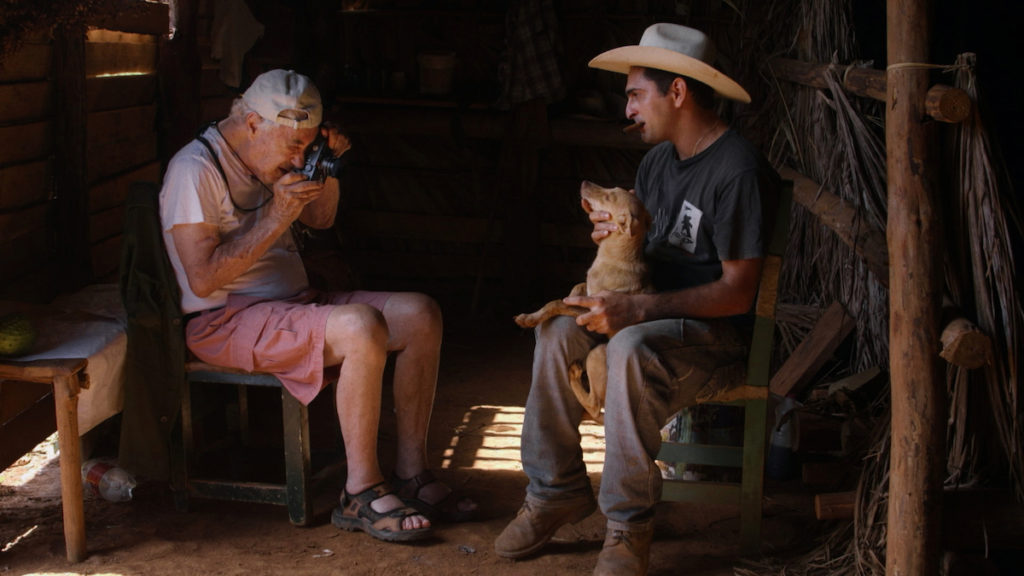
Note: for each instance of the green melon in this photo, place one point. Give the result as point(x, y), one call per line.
point(16, 334)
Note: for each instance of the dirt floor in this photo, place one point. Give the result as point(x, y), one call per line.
point(475, 428)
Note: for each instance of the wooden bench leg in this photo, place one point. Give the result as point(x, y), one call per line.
point(65, 393)
point(182, 449)
point(297, 459)
point(752, 488)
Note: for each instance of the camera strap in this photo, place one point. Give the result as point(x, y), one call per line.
point(216, 160)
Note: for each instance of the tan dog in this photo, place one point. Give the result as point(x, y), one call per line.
point(618, 267)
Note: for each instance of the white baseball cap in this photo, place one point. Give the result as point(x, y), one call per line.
point(285, 97)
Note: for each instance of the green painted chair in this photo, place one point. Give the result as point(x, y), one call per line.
point(300, 483)
point(749, 391)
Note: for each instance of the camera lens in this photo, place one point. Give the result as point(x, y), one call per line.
point(331, 166)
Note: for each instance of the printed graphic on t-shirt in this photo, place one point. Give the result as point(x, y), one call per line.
point(684, 233)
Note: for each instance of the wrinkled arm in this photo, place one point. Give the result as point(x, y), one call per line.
point(321, 212)
point(210, 263)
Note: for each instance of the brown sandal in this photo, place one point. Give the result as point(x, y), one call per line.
point(446, 510)
point(355, 513)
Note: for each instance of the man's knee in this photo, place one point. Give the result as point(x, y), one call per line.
point(428, 309)
point(557, 330)
point(627, 343)
point(356, 323)
point(416, 310)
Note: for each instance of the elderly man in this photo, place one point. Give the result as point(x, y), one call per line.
point(710, 193)
point(228, 203)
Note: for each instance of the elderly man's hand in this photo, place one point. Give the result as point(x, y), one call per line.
point(292, 192)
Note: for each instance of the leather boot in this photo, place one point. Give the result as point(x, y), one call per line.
point(625, 552)
point(537, 521)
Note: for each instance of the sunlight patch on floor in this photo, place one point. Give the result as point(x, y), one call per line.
point(25, 468)
point(74, 574)
point(489, 436)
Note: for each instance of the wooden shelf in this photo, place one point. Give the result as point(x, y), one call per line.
point(414, 116)
point(391, 12)
point(412, 102)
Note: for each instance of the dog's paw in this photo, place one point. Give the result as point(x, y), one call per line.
point(577, 376)
point(525, 321)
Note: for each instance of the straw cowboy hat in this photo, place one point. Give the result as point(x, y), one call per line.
point(673, 48)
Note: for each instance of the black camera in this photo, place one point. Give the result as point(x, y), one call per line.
point(320, 163)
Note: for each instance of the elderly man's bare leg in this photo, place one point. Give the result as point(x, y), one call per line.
point(416, 327)
point(356, 338)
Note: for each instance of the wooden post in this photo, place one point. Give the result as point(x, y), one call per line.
point(917, 455)
point(180, 69)
point(70, 188)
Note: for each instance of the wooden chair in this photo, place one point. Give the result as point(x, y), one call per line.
point(750, 392)
point(296, 490)
point(300, 483)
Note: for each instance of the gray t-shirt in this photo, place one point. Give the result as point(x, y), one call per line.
point(715, 206)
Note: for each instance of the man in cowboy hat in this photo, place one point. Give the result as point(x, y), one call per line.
point(710, 193)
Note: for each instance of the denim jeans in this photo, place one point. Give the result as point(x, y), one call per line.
point(654, 369)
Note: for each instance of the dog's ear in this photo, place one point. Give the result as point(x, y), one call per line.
point(638, 223)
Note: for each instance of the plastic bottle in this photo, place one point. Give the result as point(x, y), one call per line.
point(108, 480)
point(781, 462)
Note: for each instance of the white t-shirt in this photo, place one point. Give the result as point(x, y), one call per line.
point(194, 192)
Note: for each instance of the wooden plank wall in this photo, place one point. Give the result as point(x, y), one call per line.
point(119, 79)
point(121, 134)
point(26, 181)
point(119, 73)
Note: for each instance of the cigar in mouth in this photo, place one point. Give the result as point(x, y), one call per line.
point(633, 128)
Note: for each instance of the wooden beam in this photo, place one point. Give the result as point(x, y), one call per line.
point(827, 473)
point(178, 75)
point(963, 343)
point(944, 103)
point(69, 147)
point(835, 505)
point(865, 82)
point(947, 104)
point(918, 454)
point(136, 17)
point(845, 220)
point(803, 364)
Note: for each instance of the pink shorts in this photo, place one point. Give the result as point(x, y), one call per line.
point(281, 337)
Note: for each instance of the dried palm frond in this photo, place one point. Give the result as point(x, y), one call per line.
point(981, 278)
point(838, 141)
point(21, 18)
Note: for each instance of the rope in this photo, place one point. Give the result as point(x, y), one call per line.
point(925, 65)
